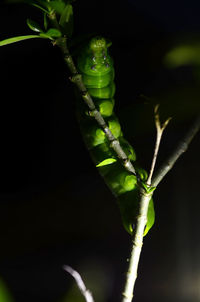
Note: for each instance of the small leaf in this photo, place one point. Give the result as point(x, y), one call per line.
point(44, 3)
point(45, 21)
point(53, 33)
point(150, 217)
point(32, 3)
point(17, 39)
point(106, 162)
point(58, 6)
point(148, 189)
point(33, 25)
point(66, 15)
point(66, 21)
point(40, 7)
point(151, 189)
point(108, 42)
point(45, 36)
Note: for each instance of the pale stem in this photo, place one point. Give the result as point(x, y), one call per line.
point(136, 249)
point(177, 152)
point(144, 203)
point(142, 217)
point(159, 132)
point(84, 291)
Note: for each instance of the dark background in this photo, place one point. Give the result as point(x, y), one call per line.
point(55, 209)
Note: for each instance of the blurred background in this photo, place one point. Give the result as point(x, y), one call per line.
point(55, 208)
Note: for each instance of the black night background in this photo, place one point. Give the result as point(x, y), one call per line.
point(55, 208)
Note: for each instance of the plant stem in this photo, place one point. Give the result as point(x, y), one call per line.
point(142, 216)
point(84, 291)
point(137, 243)
point(53, 19)
point(178, 151)
point(159, 132)
point(144, 203)
point(76, 78)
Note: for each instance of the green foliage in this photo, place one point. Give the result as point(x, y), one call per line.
point(66, 20)
point(57, 6)
point(150, 217)
point(5, 295)
point(45, 22)
point(33, 25)
point(51, 33)
point(66, 14)
point(17, 39)
point(184, 54)
point(97, 70)
point(58, 13)
point(106, 162)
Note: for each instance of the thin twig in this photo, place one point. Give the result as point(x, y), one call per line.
point(84, 291)
point(159, 132)
point(178, 151)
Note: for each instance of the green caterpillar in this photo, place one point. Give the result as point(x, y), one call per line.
point(96, 67)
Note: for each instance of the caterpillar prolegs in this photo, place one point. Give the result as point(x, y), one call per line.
point(96, 67)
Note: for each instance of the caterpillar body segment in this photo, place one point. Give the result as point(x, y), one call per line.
point(96, 67)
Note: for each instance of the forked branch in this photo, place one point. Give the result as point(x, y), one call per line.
point(142, 216)
point(177, 152)
point(145, 198)
point(159, 132)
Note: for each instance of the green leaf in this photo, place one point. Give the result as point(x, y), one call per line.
point(40, 7)
point(33, 25)
point(183, 55)
point(58, 6)
point(53, 33)
point(66, 20)
point(106, 162)
point(45, 21)
point(141, 172)
point(45, 36)
point(151, 189)
point(17, 39)
point(43, 3)
point(66, 15)
point(150, 217)
point(31, 3)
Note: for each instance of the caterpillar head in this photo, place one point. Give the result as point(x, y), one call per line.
point(98, 45)
point(95, 60)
